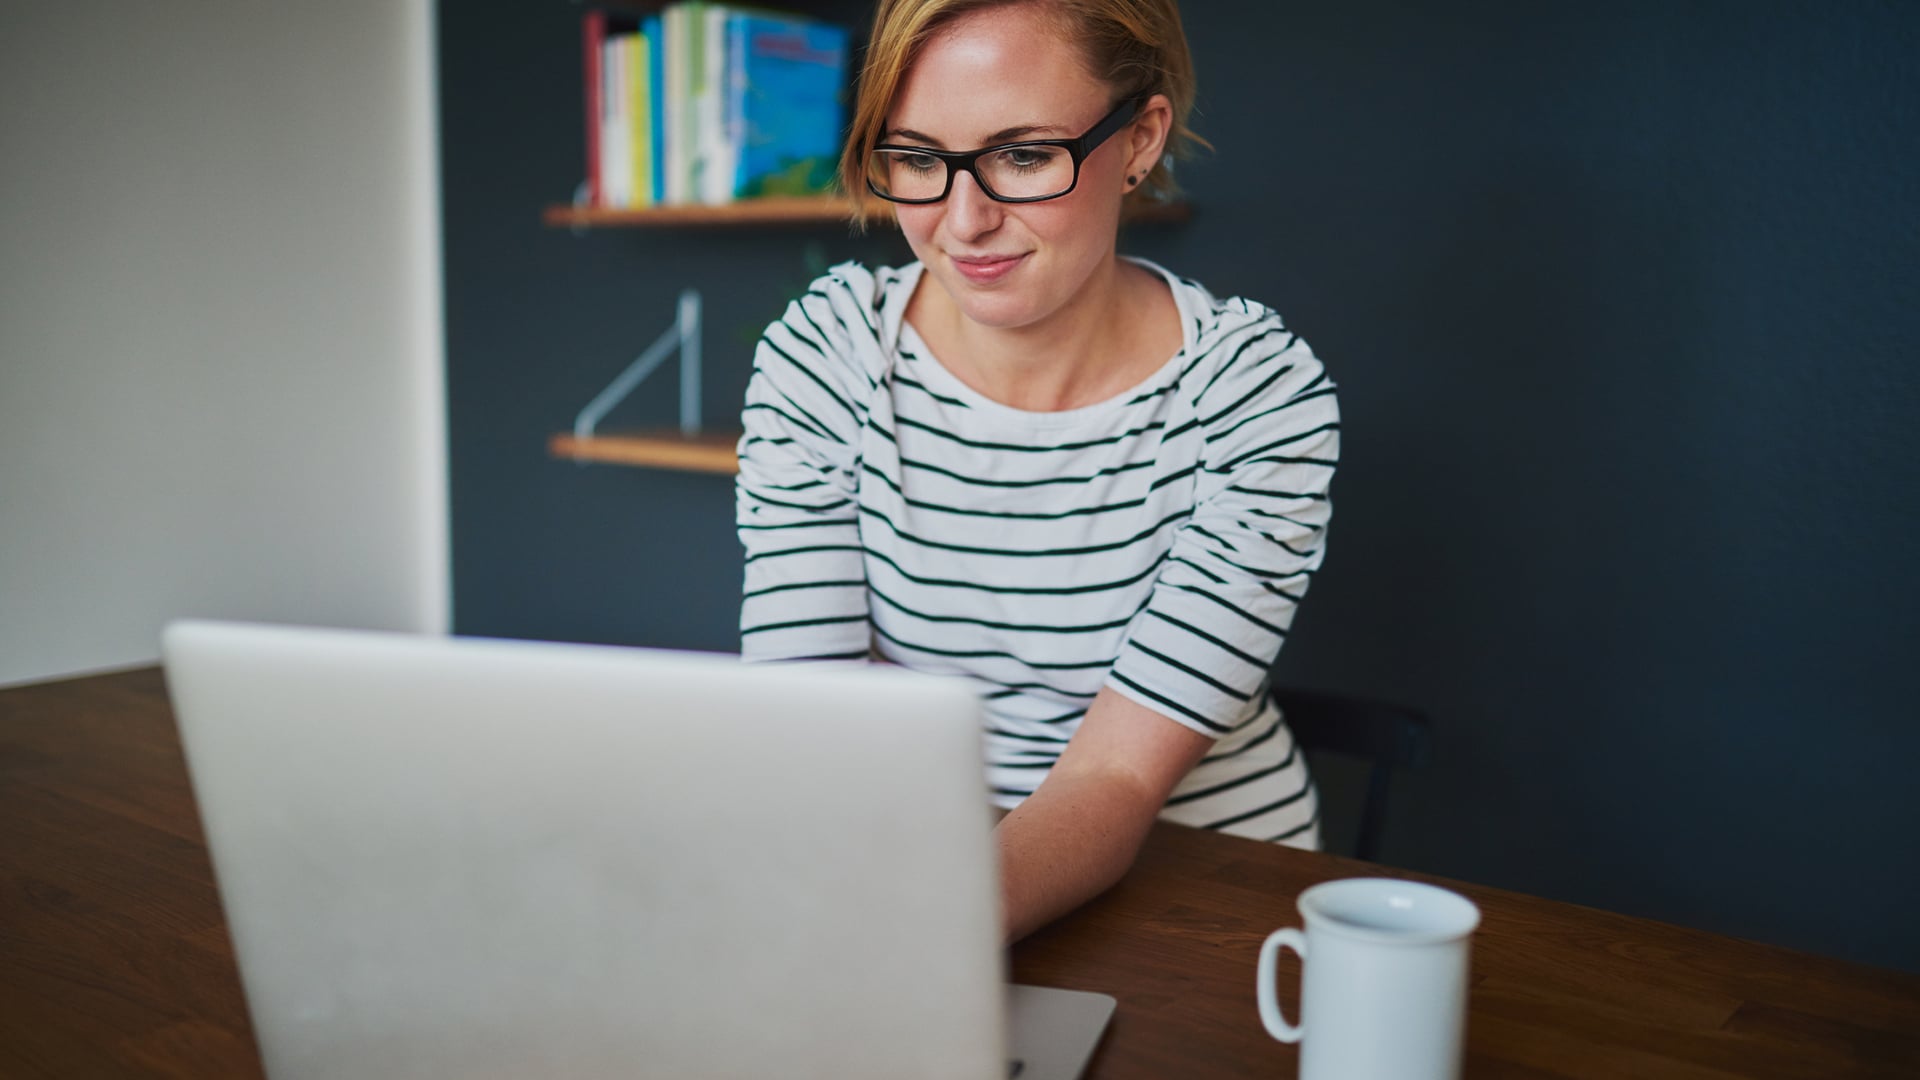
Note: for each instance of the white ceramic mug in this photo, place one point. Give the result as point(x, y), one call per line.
point(1383, 982)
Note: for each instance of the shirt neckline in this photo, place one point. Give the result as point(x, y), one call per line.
point(937, 376)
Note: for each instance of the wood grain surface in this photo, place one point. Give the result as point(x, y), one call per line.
point(114, 957)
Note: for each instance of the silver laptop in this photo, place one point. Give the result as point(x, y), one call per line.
point(506, 859)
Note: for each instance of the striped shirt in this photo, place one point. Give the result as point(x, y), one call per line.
point(1156, 543)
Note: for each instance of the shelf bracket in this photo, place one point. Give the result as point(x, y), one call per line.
point(684, 337)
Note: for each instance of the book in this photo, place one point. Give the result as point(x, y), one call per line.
point(705, 102)
point(785, 104)
point(593, 33)
point(656, 106)
point(616, 130)
point(639, 136)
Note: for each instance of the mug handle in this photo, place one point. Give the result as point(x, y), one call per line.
point(1270, 1014)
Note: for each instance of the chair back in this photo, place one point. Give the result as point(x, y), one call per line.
point(1384, 735)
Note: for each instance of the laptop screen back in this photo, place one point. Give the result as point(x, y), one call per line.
point(482, 858)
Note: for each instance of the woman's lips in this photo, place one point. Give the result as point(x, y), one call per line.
point(981, 269)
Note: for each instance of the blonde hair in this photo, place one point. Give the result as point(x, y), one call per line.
point(1137, 47)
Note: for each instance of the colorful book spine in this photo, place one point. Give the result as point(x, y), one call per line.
point(656, 106)
point(616, 131)
point(593, 33)
point(787, 82)
point(639, 122)
point(707, 103)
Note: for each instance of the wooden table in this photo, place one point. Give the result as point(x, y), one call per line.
point(114, 959)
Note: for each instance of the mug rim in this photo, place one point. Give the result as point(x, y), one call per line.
point(1311, 900)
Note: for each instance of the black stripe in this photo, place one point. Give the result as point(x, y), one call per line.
point(1199, 633)
point(1297, 829)
point(990, 624)
point(1242, 612)
point(802, 585)
point(1246, 397)
point(1272, 729)
point(1244, 345)
point(995, 654)
point(1018, 448)
point(1215, 537)
point(1269, 575)
point(1149, 395)
point(1331, 425)
point(1146, 534)
point(846, 406)
point(798, 623)
point(1216, 436)
point(1074, 714)
point(1201, 570)
point(831, 523)
point(1291, 550)
point(907, 463)
point(1009, 514)
point(1310, 496)
point(1257, 452)
point(1236, 819)
point(1175, 433)
point(1217, 789)
point(820, 509)
point(902, 380)
point(871, 383)
point(1169, 703)
point(1237, 695)
point(811, 424)
point(865, 319)
point(1064, 590)
point(1277, 591)
point(819, 342)
point(1305, 395)
point(1171, 477)
point(1307, 525)
point(1003, 733)
point(804, 551)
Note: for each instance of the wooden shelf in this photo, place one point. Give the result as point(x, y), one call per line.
point(783, 210)
point(708, 452)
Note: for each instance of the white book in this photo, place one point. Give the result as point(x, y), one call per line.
point(616, 129)
point(673, 84)
point(715, 157)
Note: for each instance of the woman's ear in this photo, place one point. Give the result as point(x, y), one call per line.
point(1147, 138)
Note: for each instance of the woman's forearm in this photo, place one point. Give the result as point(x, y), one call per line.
point(1070, 841)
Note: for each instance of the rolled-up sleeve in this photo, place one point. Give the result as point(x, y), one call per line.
point(805, 590)
point(1225, 599)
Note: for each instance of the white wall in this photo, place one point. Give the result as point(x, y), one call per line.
point(220, 323)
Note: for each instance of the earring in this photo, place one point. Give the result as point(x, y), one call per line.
point(1132, 180)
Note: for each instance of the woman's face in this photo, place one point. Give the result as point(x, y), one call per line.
point(998, 76)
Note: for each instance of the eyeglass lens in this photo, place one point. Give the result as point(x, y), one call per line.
point(1018, 172)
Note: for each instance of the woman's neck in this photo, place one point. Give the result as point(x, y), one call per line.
point(1109, 337)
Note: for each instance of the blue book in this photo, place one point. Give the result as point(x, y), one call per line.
point(656, 103)
point(786, 108)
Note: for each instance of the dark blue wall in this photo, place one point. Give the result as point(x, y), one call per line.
point(1622, 303)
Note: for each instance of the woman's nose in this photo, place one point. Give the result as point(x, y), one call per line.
point(971, 213)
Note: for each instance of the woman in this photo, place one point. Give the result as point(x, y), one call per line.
point(1073, 477)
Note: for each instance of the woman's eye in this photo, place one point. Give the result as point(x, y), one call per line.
point(919, 162)
point(1026, 158)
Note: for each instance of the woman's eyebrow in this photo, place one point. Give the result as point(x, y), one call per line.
point(1004, 135)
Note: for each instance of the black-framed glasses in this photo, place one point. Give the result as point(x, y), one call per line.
point(1020, 172)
